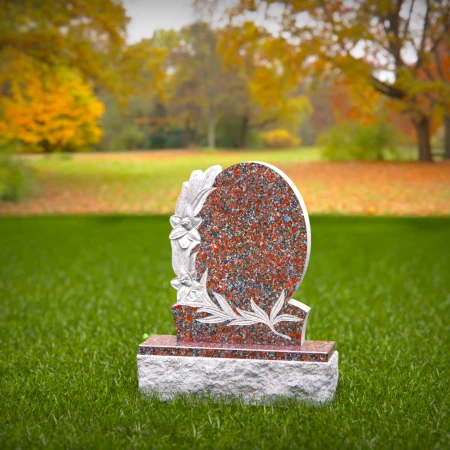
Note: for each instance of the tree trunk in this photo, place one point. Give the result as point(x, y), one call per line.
point(423, 138)
point(211, 128)
point(447, 137)
point(243, 133)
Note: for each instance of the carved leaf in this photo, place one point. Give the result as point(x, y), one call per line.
point(277, 307)
point(287, 318)
point(260, 312)
point(249, 315)
point(241, 322)
point(212, 319)
point(224, 305)
point(214, 311)
point(207, 301)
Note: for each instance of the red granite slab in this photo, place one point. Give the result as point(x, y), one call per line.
point(254, 246)
point(310, 351)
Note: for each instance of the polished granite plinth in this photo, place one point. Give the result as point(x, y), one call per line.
point(310, 351)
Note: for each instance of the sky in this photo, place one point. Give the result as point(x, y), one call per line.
point(150, 15)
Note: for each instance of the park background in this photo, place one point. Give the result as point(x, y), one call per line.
point(105, 109)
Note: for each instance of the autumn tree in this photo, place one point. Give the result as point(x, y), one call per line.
point(49, 111)
point(262, 85)
point(388, 42)
point(197, 77)
point(85, 35)
point(437, 79)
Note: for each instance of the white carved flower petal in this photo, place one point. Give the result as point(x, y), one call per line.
point(176, 283)
point(197, 286)
point(178, 233)
point(183, 293)
point(195, 182)
point(183, 199)
point(185, 241)
point(194, 235)
point(196, 222)
point(199, 200)
point(184, 272)
point(175, 221)
point(189, 212)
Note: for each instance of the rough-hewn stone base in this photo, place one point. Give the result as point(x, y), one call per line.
point(253, 380)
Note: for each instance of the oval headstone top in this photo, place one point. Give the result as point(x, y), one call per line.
point(241, 244)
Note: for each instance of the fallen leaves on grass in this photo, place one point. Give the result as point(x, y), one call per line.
point(363, 188)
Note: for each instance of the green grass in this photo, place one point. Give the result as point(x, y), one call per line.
point(77, 294)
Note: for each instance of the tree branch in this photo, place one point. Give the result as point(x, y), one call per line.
point(387, 89)
point(424, 35)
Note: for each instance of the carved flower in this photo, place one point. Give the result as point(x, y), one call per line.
point(185, 228)
point(189, 290)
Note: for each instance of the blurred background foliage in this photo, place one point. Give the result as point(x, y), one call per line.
point(362, 81)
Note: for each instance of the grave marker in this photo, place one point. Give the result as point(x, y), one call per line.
point(240, 241)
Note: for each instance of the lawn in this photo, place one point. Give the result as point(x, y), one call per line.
point(149, 183)
point(78, 293)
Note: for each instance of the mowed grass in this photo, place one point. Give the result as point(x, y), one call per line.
point(149, 183)
point(78, 293)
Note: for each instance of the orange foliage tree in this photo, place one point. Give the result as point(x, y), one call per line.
point(86, 35)
point(50, 112)
point(369, 39)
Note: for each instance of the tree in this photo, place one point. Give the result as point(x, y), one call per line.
point(50, 111)
point(86, 35)
point(262, 88)
point(372, 39)
point(438, 76)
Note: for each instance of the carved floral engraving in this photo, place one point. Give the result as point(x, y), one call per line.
point(192, 292)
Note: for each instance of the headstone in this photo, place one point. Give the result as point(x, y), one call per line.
point(241, 242)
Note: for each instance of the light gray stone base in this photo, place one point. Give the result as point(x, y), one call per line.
point(255, 381)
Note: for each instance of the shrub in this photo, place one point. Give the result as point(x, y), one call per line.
point(279, 139)
point(16, 179)
point(131, 138)
point(175, 138)
point(356, 141)
point(254, 140)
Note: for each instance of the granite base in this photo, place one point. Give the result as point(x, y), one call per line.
point(253, 380)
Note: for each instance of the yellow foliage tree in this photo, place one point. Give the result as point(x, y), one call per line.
point(50, 112)
point(270, 82)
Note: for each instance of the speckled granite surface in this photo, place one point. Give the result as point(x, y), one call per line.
point(312, 351)
point(254, 245)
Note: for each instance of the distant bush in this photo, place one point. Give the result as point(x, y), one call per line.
point(175, 138)
point(356, 141)
point(279, 139)
point(16, 179)
point(131, 138)
point(254, 140)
